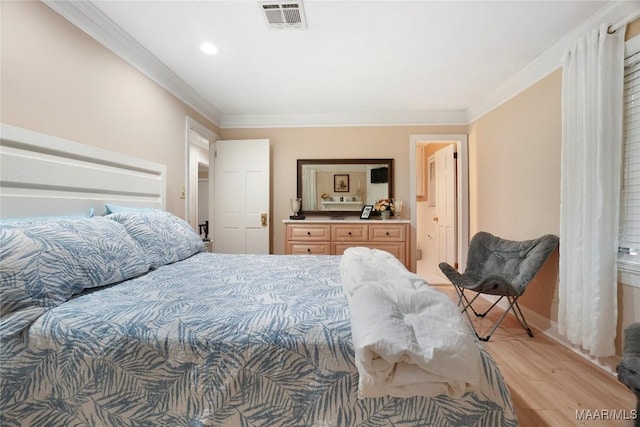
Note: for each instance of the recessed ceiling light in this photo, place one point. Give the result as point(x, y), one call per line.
point(209, 48)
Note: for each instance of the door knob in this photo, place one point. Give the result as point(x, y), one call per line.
point(263, 219)
point(435, 218)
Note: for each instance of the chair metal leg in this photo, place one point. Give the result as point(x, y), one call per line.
point(495, 326)
point(460, 293)
point(521, 319)
point(469, 304)
point(513, 305)
point(490, 308)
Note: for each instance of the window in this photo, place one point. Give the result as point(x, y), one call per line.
point(629, 237)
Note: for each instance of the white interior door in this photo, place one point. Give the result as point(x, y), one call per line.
point(446, 203)
point(241, 197)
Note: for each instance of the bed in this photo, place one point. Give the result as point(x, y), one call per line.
point(125, 320)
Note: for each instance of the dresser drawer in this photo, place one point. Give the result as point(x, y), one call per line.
point(308, 248)
point(387, 233)
point(349, 233)
point(307, 232)
point(334, 237)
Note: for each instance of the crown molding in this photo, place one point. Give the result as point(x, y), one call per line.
point(550, 60)
point(402, 118)
point(91, 20)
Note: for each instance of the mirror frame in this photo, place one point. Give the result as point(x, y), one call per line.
point(304, 162)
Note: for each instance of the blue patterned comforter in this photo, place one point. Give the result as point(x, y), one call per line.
point(220, 340)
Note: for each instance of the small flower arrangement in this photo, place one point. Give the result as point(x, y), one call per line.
point(383, 205)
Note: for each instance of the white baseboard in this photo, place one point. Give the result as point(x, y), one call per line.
point(550, 329)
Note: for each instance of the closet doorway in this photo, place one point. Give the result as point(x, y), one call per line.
point(198, 192)
point(439, 202)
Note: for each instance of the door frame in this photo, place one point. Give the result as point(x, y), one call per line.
point(186, 190)
point(462, 147)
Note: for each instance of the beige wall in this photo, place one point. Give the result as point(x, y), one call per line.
point(57, 80)
point(514, 174)
point(514, 164)
point(514, 168)
point(290, 144)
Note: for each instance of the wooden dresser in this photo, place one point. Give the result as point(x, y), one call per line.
point(333, 237)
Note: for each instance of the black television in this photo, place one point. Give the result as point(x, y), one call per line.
point(379, 175)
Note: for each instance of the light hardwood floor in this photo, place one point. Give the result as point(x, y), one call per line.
point(549, 383)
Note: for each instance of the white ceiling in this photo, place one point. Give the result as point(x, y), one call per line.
point(359, 62)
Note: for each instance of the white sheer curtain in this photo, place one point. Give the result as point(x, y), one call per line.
point(309, 190)
point(592, 84)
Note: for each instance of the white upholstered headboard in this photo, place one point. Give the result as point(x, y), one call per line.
point(42, 175)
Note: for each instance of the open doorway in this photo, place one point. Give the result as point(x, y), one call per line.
point(440, 221)
point(198, 192)
point(435, 209)
point(202, 201)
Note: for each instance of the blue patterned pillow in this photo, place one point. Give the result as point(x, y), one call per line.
point(43, 263)
point(164, 237)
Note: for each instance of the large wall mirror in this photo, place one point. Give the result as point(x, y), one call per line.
point(343, 186)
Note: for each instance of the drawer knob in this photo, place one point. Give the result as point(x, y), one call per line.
point(349, 233)
point(308, 233)
point(308, 249)
point(387, 233)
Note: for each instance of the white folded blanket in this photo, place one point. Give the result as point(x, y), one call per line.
point(359, 266)
point(409, 339)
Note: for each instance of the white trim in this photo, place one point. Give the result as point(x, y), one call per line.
point(385, 118)
point(201, 129)
point(549, 61)
point(191, 123)
point(91, 20)
point(550, 329)
point(624, 21)
point(629, 275)
point(631, 46)
point(43, 175)
point(461, 142)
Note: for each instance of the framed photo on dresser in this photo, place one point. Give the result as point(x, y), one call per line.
point(366, 212)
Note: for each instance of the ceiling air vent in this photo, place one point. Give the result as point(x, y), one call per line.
point(283, 15)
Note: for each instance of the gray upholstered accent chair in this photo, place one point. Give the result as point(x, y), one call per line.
point(499, 267)
point(629, 367)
